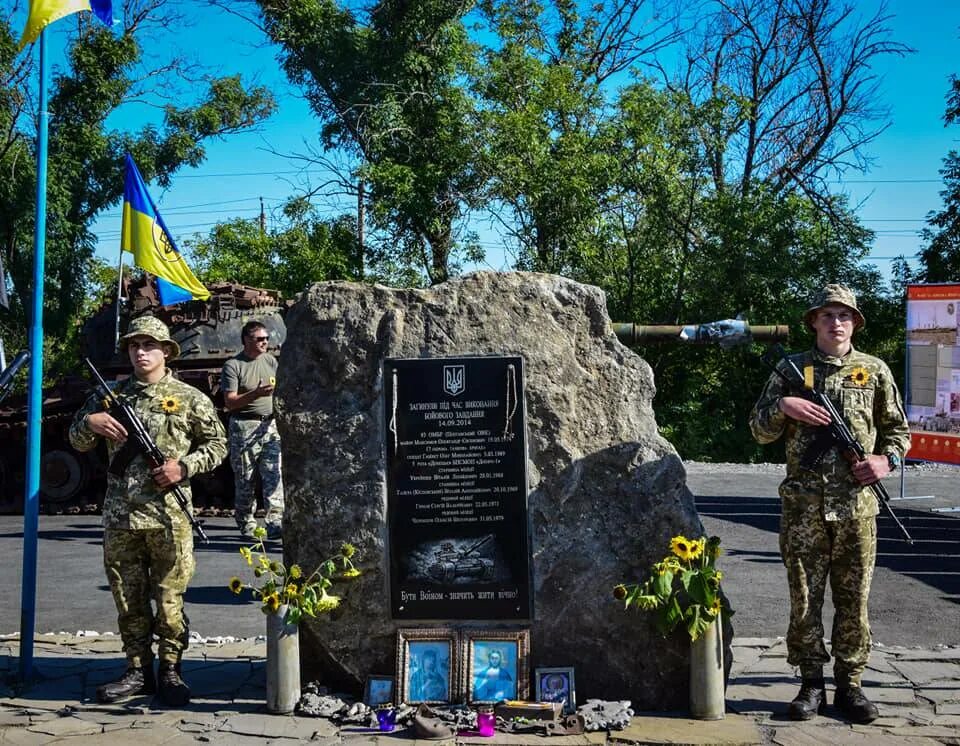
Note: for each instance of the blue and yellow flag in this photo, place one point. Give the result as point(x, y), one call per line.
point(145, 235)
point(44, 12)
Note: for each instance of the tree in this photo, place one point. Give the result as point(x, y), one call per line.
point(104, 71)
point(308, 249)
point(940, 260)
point(387, 87)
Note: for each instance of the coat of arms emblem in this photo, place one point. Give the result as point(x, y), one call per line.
point(454, 379)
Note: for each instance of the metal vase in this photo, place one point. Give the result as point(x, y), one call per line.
point(707, 701)
point(283, 663)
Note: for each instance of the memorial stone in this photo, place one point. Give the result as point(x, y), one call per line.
point(605, 493)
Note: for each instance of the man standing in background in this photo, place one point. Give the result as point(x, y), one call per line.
point(247, 381)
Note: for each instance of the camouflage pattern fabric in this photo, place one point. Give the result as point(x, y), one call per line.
point(150, 564)
point(255, 446)
point(828, 524)
point(148, 540)
point(185, 426)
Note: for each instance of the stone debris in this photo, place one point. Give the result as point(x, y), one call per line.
point(599, 714)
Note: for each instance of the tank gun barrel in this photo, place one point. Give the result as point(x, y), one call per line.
point(6, 378)
point(726, 333)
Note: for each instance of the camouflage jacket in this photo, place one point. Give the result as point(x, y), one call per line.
point(862, 389)
point(184, 425)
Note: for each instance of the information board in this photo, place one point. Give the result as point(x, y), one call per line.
point(933, 372)
point(457, 488)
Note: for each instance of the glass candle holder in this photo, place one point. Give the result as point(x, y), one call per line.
point(486, 722)
point(387, 718)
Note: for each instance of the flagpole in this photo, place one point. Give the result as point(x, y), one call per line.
point(31, 501)
point(116, 320)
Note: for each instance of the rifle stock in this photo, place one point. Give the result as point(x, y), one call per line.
point(840, 433)
point(144, 442)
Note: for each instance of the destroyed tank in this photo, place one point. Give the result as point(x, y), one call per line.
point(208, 333)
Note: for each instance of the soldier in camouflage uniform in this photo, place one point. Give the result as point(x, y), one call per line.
point(248, 381)
point(828, 527)
point(147, 538)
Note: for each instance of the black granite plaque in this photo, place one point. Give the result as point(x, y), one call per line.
point(456, 488)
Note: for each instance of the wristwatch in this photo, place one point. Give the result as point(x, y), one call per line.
point(893, 461)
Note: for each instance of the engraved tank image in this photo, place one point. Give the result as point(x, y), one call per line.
point(451, 564)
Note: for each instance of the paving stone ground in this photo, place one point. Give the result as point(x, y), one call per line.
point(916, 689)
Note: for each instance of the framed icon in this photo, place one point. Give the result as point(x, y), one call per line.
point(378, 690)
point(556, 685)
point(427, 665)
point(495, 665)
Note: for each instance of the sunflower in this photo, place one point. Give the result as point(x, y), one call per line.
point(236, 585)
point(347, 549)
point(696, 547)
point(860, 376)
point(271, 603)
point(170, 404)
point(684, 547)
point(295, 571)
point(350, 572)
point(715, 606)
point(247, 555)
point(620, 592)
point(326, 603)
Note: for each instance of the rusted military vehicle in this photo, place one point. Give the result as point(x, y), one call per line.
point(208, 333)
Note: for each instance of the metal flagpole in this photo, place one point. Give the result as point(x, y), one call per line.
point(116, 321)
point(31, 501)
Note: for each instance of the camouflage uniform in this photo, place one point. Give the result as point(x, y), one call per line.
point(828, 520)
point(254, 443)
point(147, 541)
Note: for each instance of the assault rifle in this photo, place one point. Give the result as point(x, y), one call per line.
point(142, 442)
point(837, 433)
point(6, 378)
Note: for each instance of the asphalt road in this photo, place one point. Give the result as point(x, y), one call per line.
point(915, 598)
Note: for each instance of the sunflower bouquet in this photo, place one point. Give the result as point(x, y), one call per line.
point(683, 588)
point(278, 585)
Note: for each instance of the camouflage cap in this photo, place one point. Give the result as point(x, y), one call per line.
point(150, 326)
point(834, 293)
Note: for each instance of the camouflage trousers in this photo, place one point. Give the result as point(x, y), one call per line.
point(255, 447)
point(815, 551)
point(145, 565)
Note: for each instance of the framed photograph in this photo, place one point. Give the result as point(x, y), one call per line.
point(378, 690)
point(427, 665)
point(495, 665)
point(556, 685)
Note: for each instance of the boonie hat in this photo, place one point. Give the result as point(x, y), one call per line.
point(834, 293)
point(150, 326)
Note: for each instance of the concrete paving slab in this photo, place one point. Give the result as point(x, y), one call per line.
point(927, 672)
point(948, 720)
point(930, 731)
point(656, 729)
point(23, 737)
point(882, 678)
point(947, 708)
point(270, 726)
point(66, 727)
point(891, 695)
point(940, 694)
point(938, 653)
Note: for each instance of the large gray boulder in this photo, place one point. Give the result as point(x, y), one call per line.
point(606, 491)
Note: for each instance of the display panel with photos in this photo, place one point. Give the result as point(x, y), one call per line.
point(556, 685)
point(427, 665)
point(495, 665)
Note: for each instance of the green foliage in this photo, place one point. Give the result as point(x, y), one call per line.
point(85, 164)
point(940, 260)
point(683, 588)
point(388, 89)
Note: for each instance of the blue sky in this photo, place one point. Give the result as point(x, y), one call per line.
point(894, 197)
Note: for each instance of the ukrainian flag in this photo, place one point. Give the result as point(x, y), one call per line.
point(44, 12)
point(145, 235)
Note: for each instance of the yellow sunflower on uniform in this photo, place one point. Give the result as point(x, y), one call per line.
point(860, 375)
point(169, 404)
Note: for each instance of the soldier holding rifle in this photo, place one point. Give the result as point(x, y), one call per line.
point(147, 539)
point(828, 527)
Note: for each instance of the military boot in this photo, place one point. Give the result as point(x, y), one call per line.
point(173, 690)
point(811, 700)
point(135, 680)
point(855, 706)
